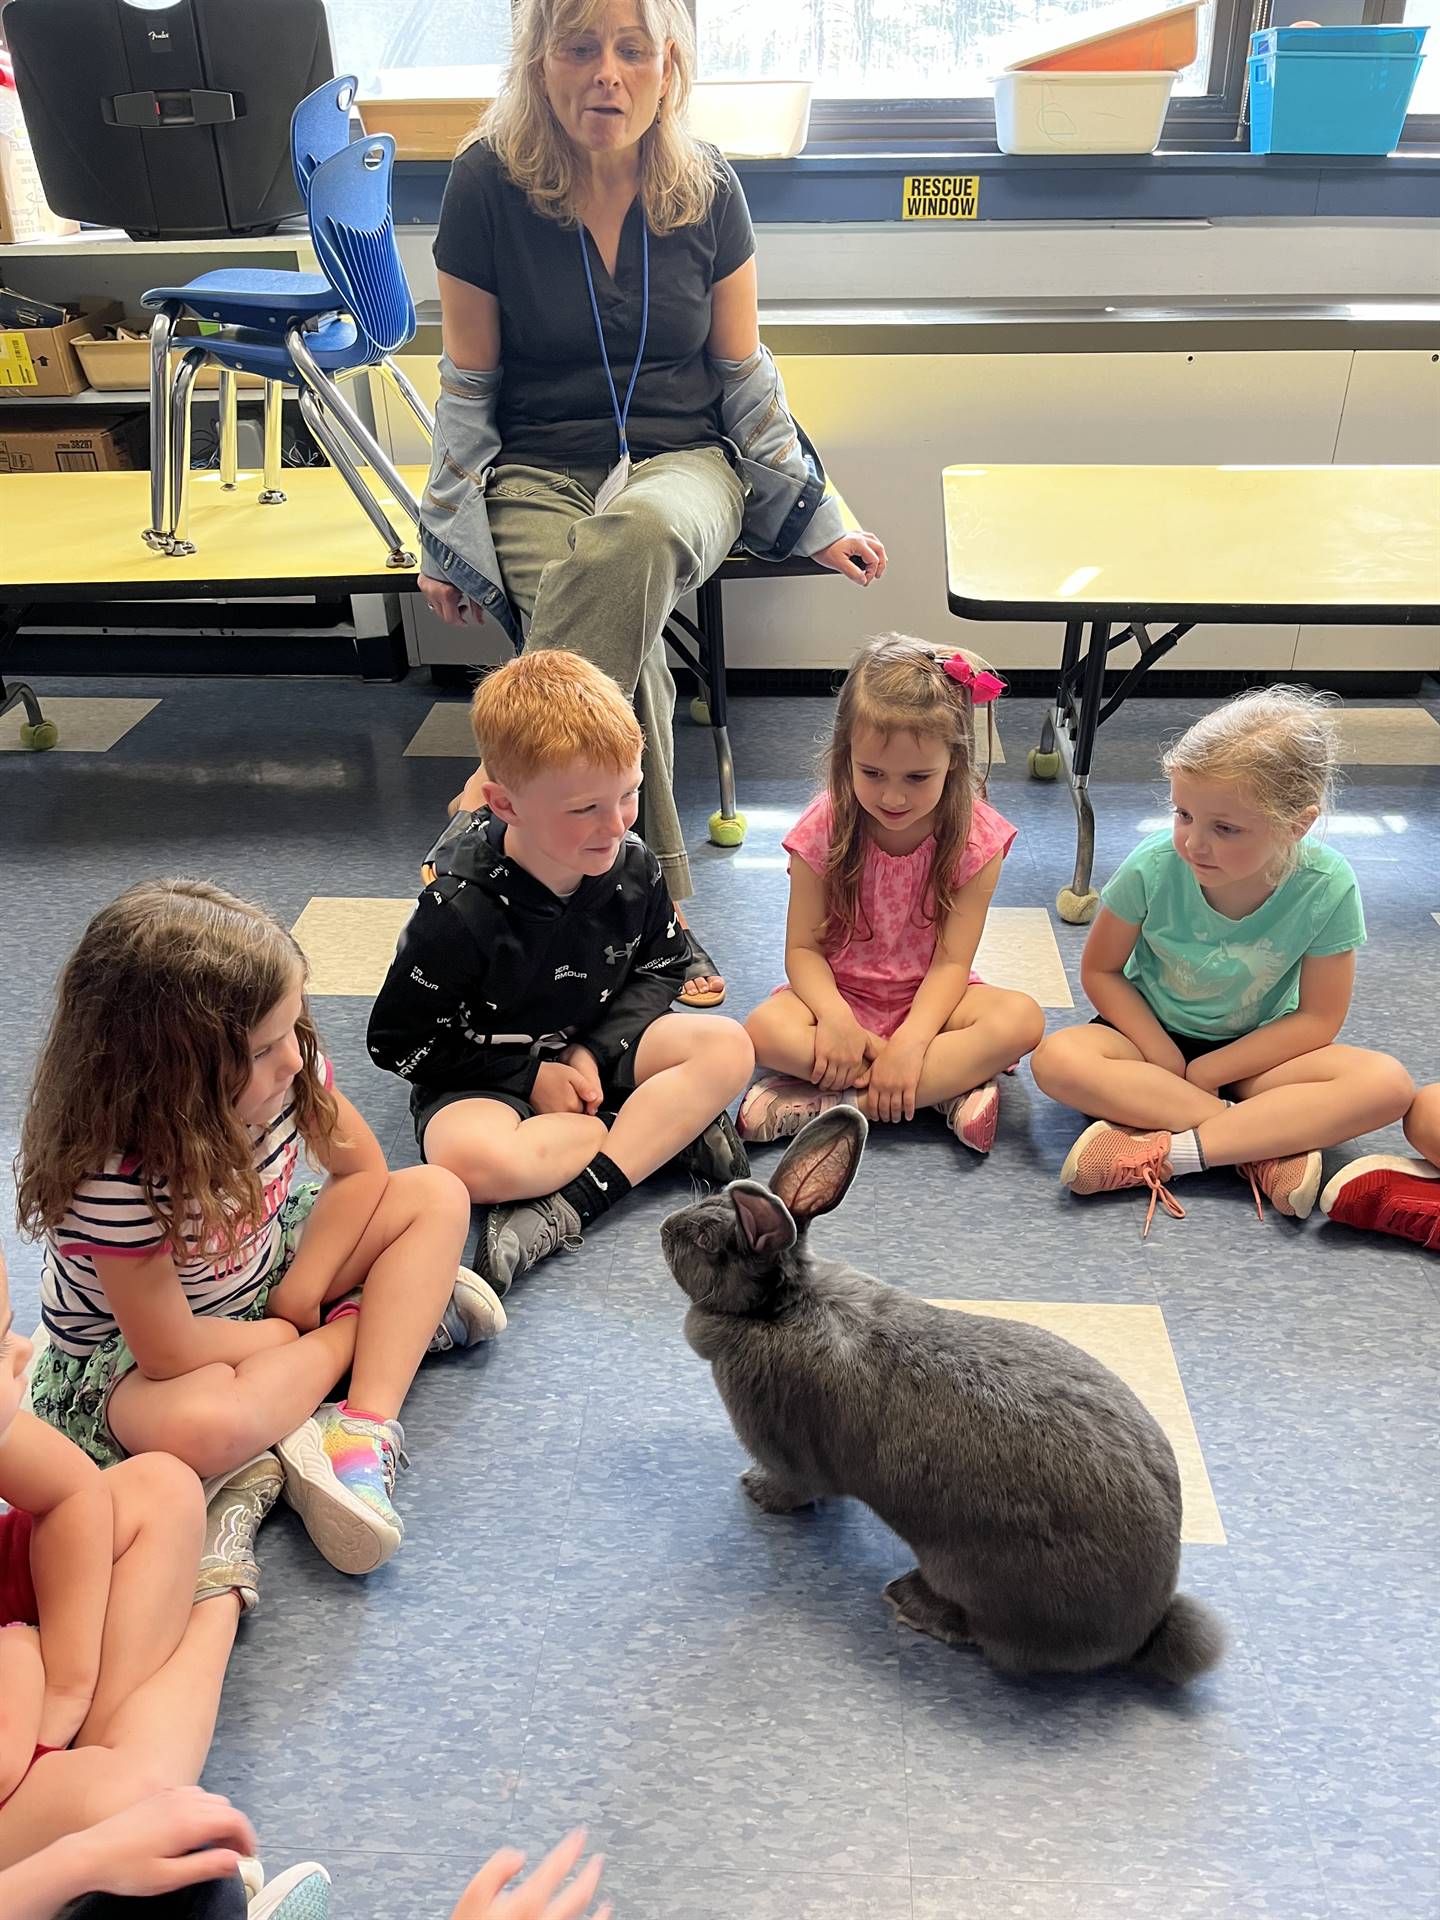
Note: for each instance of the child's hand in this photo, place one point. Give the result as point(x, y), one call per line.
point(172, 1839)
point(894, 1076)
point(562, 1086)
point(537, 1898)
point(841, 1050)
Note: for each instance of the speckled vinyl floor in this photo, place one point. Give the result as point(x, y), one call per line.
point(587, 1621)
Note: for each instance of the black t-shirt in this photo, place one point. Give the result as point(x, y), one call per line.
point(554, 404)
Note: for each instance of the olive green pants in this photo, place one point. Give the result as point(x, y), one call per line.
point(604, 584)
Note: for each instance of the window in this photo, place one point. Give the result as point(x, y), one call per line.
point(371, 36)
point(919, 72)
point(1426, 97)
point(895, 49)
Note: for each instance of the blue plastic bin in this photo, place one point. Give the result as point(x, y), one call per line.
point(1331, 89)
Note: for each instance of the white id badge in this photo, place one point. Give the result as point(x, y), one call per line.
point(614, 483)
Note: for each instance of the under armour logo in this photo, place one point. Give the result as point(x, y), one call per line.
point(614, 955)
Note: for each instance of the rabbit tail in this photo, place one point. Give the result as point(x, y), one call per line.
point(1187, 1641)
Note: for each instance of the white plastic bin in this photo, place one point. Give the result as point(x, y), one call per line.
point(752, 119)
point(1080, 112)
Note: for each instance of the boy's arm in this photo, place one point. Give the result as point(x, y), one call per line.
point(424, 1024)
point(656, 975)
point(71, 1551)
point(1110, 944)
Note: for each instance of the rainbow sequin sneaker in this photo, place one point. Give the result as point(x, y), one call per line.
point(339, 1475)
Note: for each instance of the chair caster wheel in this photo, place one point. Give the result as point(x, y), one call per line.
point(40, 737)
point(1042, 766)
point(700, 711)
point(728, 833)
point(1076, 909)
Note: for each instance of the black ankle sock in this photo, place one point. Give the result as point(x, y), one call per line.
point(595, 1189)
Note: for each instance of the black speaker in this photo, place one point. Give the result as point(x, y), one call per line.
point(170, 118)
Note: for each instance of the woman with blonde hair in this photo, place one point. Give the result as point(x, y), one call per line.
point(609, 424)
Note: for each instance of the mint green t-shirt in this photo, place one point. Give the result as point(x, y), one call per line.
point(1215, 979)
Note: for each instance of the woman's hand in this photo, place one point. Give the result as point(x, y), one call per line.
point(172, 1839)
point(842, 1047)
point(894, 1076)
point(448, 603)
point(859, 556)
point(541, 1897)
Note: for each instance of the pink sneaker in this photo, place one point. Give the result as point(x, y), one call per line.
point(973, 1117)
point(776, 1107)
point(1290, 1185)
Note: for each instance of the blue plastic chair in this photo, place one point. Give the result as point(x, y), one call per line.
point(371, 313)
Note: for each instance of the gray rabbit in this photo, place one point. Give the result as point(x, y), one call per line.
point(1040, 1498)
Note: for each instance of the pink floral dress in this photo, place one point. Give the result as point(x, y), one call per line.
point(879, 976)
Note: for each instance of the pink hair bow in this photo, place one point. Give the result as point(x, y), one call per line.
point(982, 686)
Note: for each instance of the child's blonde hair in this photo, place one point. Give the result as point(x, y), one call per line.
point(1277, 743)
point(148, 1052)
point(897, 684)
point(547, 709)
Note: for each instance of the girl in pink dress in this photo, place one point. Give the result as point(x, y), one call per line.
point(891, 873)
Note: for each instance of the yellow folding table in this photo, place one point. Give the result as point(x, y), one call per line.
point(1117, 549)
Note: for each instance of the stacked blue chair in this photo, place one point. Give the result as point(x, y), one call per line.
point(310, 329)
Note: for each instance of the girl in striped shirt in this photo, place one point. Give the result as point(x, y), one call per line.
point(198, 1298)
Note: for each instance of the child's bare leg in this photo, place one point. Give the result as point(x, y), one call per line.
point(1422, 1124)
point(159, 1530)
point(500, 1157)
point(406, 1260)
point(686, 1071)
point(990, 1029)
point(1318, 1100)
point(1099, 1072)
point(158, 1738)
point(782, 1032)
point(220, 1416)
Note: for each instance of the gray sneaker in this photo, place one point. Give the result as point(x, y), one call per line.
point(517, 1237)
point(716, 1155)
point(473, 1313)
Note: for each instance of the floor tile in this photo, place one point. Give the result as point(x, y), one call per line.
point(1018, 950)
point(1388, 736)
point(350, 943)
point(1133, 1343)
point(87, 724)
point(444, 734)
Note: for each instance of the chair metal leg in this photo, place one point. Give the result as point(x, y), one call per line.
point(157, 534)
point(229, 427)
point(190, 364)
point(315, 419)
point(403, 386)
point(339, 409)
point(271, 494)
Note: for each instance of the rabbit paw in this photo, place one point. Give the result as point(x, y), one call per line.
point(772, 1495)
point(917, 1605)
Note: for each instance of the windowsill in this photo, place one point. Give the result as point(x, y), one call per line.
point(824, 187)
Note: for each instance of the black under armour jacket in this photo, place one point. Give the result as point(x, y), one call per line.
point(494, 973)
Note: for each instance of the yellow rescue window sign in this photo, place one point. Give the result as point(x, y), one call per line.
point(941, 196)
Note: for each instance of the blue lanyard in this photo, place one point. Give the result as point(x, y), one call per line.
point(622, 414)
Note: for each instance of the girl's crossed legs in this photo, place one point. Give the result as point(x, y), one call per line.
point(162, 1663)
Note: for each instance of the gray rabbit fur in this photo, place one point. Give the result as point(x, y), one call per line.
point(1039, 1497)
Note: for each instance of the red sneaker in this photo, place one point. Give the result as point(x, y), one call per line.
point(1385, 1194)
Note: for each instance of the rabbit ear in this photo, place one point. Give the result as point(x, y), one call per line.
point(764, 1221)
point(819, 1164)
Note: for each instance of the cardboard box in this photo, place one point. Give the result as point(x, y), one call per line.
point(42, 360)
point(59, 443)
point(123, 364)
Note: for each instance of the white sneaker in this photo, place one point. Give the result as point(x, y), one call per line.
point(300, 1893)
